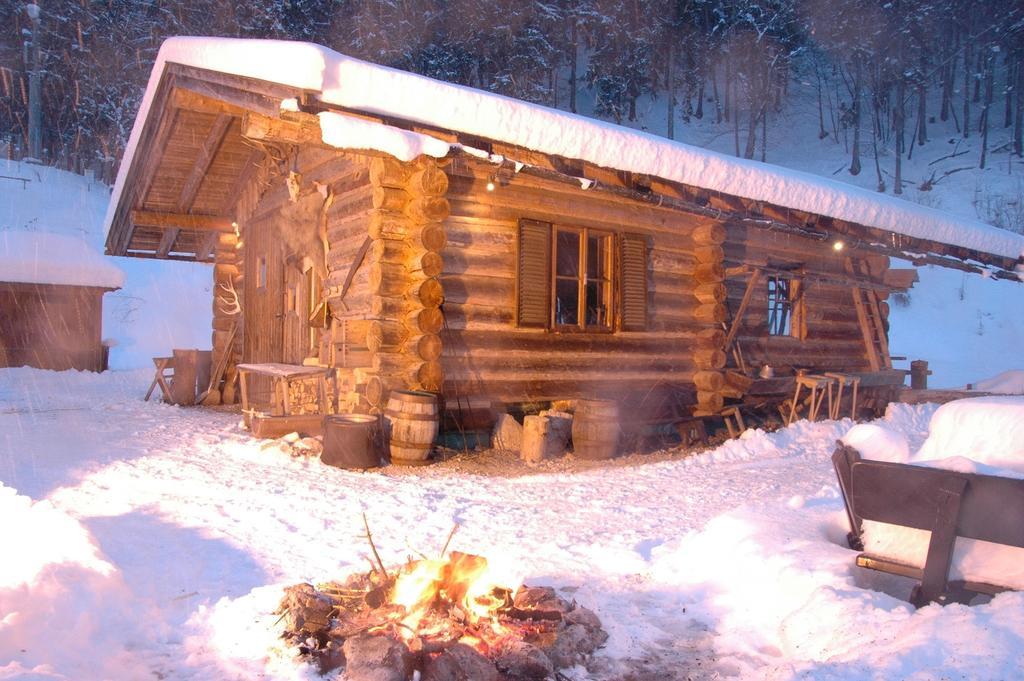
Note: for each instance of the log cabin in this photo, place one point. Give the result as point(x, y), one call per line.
point(408, 233)
point(51, 301)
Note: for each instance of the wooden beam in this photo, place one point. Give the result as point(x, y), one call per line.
point(194, 101)
point(151, 255)
point(207, 152)
point(755, 276)
point(296, 128)
point(206, 247)
point(201, 223)
point(167, 240)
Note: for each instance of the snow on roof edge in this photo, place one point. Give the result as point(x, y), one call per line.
point(356, 84)
point(58, 259)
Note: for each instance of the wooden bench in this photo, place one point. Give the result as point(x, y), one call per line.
point(946, 503)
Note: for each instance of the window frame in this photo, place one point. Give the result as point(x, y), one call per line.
point(794, 307)
point(611, 282)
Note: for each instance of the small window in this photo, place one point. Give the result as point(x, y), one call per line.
point(261, 272)
point(786, 308)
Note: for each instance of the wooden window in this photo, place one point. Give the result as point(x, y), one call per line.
point(582, 279)
point(261, 272)
point(786, 309)
point(568, 277)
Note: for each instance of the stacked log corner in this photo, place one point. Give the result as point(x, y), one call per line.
point(227, 278)
point(407, 233)
point(710, 293)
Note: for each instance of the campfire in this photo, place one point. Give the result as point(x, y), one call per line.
point(443, 619)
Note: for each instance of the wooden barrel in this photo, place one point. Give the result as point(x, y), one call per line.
point(352, 441)
point(412, 419)
point(595, 429)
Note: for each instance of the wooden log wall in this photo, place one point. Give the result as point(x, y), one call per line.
point(402, 312)
point(833, 341)
point(488, 359)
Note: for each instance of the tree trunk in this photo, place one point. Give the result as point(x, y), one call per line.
point(922, 115)
point(899, 115)
point(986, 108)
point(1018, 119)
point(1011, 78)
point(573, 55)
point(967, 90)
point(728, 91)
point(752, 122)
point(670, 91)
point(714, 93)
point(948, 74)
point(764, 136)
point(855, 111)
point(821, 109)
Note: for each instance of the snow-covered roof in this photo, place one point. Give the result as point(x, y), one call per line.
point(45, 258)
point(49, 228)
point(354, 84)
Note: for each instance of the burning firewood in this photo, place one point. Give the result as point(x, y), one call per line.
point(444, 617)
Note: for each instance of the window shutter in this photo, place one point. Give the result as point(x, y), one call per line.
point(799, 309)
point(533, 283)
point(633, 282)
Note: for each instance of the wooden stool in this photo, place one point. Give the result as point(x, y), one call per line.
point(820, 386)
point(843, 380)
point(164, 373)
point(692, 432)
point(733, 421)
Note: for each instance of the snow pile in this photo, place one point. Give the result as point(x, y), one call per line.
point(986, 430)
point(1007, 383)
point(982, 435)
point(878, 442)
point(376, 89)
point(41, 258)
point(64, 611)
point(786, 602)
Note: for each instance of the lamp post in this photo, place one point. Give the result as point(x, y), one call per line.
point(35, 94)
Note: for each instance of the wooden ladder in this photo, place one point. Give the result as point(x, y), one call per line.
point(869, 317)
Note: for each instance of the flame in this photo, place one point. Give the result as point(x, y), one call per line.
point(463, 583)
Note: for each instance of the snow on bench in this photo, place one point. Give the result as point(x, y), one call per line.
point(981, 442)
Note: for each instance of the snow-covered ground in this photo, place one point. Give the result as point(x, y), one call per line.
point(148, 540)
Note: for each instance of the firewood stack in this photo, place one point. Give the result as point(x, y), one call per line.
point(356, 624)
point(407, 232)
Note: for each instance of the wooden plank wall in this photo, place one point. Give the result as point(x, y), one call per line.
point(834, 341)
point(344, 181)
point(51, 327)
point(488, 359)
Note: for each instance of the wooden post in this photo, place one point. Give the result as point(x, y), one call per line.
point(919, 374)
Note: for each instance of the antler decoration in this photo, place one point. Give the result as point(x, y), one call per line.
point(228, 301)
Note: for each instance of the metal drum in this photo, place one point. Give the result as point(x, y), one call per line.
point(353, 441)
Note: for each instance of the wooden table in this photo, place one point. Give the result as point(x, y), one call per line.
point(281, 377)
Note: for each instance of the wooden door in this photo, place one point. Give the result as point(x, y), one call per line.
point(264, 294)
point(295, 327)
